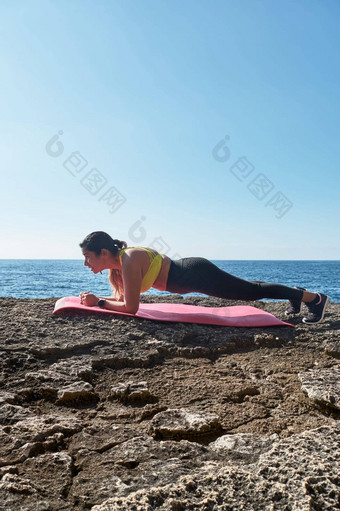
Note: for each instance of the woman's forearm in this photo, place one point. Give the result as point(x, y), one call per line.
point(114, 305)
point(111, 299)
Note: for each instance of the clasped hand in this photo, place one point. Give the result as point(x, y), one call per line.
point(87, 298)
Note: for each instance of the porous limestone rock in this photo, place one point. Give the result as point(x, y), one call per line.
point(130, 391)
point(10, 414)
point(107, 452)
point(138, 461)
point(322, 386)
point(75, 368)
point(42, 485)
point(242, 447)
point(7, 397)
point(181, 423)
point(45, 383)
point(34, 435)
point(76, 392)
point(300, 473)
point(332, 348)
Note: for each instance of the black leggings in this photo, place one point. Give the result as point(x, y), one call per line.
point(198, 275)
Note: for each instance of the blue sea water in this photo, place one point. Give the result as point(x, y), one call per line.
point(44, 278)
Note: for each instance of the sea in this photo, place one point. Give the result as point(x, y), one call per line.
point(45, 278)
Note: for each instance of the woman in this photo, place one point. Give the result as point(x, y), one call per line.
point(133, 270)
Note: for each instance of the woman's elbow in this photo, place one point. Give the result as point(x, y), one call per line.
point(132, 309)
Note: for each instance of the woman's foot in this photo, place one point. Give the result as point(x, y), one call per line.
point(295, 305)
point(316, 309)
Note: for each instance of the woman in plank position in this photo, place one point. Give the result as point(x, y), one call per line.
point(133, 270)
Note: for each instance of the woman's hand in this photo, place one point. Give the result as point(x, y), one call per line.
point(87, 298)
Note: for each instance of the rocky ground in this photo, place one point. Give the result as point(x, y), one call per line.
point(119, 413)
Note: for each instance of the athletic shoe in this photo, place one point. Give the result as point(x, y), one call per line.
point(316, 310)
point(295, 305)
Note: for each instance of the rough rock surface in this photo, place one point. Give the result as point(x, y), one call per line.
point(131, 392)
point(117, 413)
point(323, 386)
point(179, 424)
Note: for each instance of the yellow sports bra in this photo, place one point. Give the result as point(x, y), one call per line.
point(153, 271)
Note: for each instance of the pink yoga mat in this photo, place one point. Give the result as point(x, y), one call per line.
point(236, 315)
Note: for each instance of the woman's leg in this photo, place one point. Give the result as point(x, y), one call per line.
point(306, 296)
point(196, 274)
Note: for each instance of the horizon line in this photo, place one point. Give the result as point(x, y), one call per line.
point(72, 259)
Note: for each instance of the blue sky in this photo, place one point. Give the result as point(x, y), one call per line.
point(143, 94)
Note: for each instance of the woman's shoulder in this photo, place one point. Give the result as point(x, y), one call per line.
point(137, 251)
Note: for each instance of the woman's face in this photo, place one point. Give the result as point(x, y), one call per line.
point(93, 261)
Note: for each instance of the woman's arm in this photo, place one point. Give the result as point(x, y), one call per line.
point(132, 280)
point(91, 300)
point(118, 306)
point(111, 298)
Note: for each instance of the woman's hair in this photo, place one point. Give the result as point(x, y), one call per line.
point(97, 240)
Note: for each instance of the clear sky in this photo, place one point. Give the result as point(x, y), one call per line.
point(200, 127)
